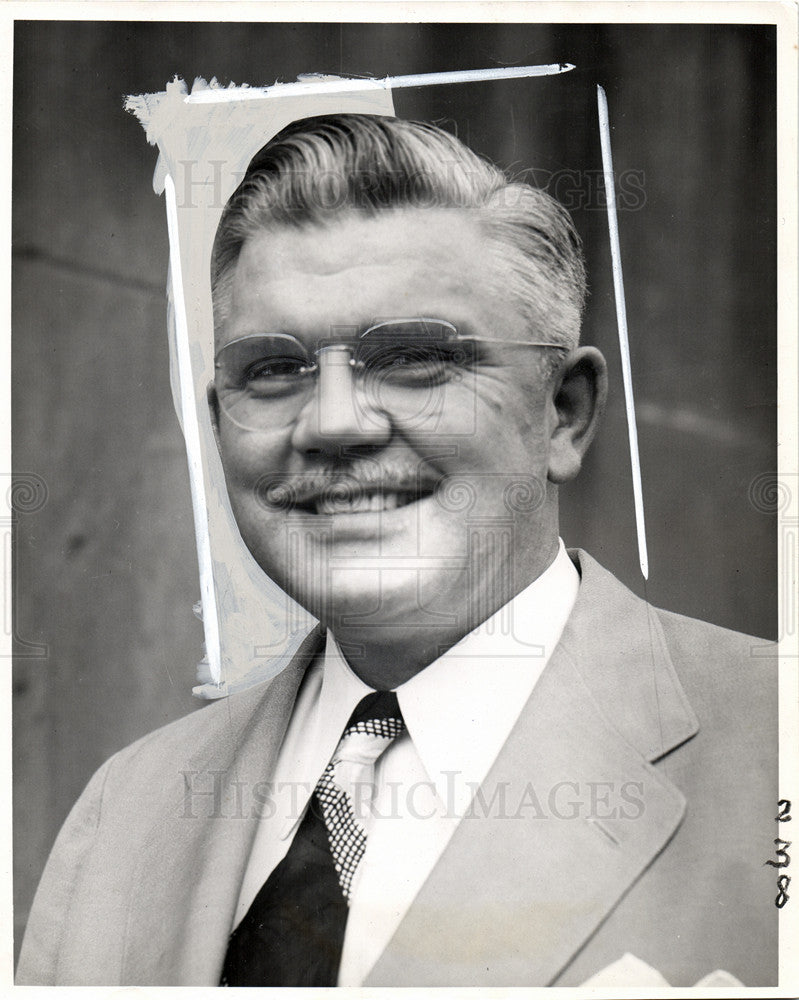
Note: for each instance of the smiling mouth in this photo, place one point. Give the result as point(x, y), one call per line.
point(367, 501)
point(364, 500)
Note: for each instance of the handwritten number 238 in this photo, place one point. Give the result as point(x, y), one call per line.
point(783, 858)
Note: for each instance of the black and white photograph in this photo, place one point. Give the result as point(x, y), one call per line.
point(402, 510)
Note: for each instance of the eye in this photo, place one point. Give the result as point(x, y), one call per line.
point(267, 368)
point(275, 375)
point(413, 363)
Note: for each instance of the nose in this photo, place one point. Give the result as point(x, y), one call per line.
point(338, 412)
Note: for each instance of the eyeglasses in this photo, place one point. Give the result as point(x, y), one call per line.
point(264, 380)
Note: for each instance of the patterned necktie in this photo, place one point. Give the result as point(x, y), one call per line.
point(293, 933)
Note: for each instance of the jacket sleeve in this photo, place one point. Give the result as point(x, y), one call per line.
point(50, 913)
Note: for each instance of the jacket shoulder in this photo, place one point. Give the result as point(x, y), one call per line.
point(217, 721)
point(731, 682)
point(216, 730)
point(702, 635)
point(740, 665)
point(129, 803)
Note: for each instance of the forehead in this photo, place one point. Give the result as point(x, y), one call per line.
point(410, 262)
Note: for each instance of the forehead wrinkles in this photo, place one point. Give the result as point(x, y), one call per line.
point(432, 236)
point(258, 269)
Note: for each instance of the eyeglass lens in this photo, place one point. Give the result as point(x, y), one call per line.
point(264, 380)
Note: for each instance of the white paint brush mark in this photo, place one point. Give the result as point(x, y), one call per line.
point(621, 320)
point(336, 86)
point(191, 431)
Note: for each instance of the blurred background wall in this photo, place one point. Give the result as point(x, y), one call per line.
point(103, 543)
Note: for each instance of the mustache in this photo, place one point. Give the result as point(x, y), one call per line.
point(343, 485)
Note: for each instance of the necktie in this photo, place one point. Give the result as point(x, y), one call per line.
point(293, 933)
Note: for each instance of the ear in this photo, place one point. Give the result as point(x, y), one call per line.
point(579, 396)
point(213, 409)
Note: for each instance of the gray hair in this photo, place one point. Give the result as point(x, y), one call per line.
point(318, 168)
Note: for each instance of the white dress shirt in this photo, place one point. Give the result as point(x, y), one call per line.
point(458, 712)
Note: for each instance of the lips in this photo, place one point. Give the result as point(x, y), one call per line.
point(361, 489)
point(327, 495)
point(366, 501)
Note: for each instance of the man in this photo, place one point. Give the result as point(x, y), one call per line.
point(492, 764)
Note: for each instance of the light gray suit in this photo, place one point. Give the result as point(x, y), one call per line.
point(142, 883)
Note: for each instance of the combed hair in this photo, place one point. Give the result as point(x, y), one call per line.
point(318, 168)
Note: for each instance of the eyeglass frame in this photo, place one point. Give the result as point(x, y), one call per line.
point(350, 346)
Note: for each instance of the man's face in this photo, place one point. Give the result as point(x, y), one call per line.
point(390, 507)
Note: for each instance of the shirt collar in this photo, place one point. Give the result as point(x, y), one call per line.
point(329, 693)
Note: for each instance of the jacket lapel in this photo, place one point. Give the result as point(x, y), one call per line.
point(195, 867)
point(570, 816)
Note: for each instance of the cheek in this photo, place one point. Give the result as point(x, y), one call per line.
point(247, 456)
point(501, 424)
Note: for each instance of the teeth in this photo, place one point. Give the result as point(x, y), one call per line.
point(366, 502)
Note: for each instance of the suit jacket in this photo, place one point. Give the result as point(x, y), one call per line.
point(630, 811)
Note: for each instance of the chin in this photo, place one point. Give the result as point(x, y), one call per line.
point(353, 597)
